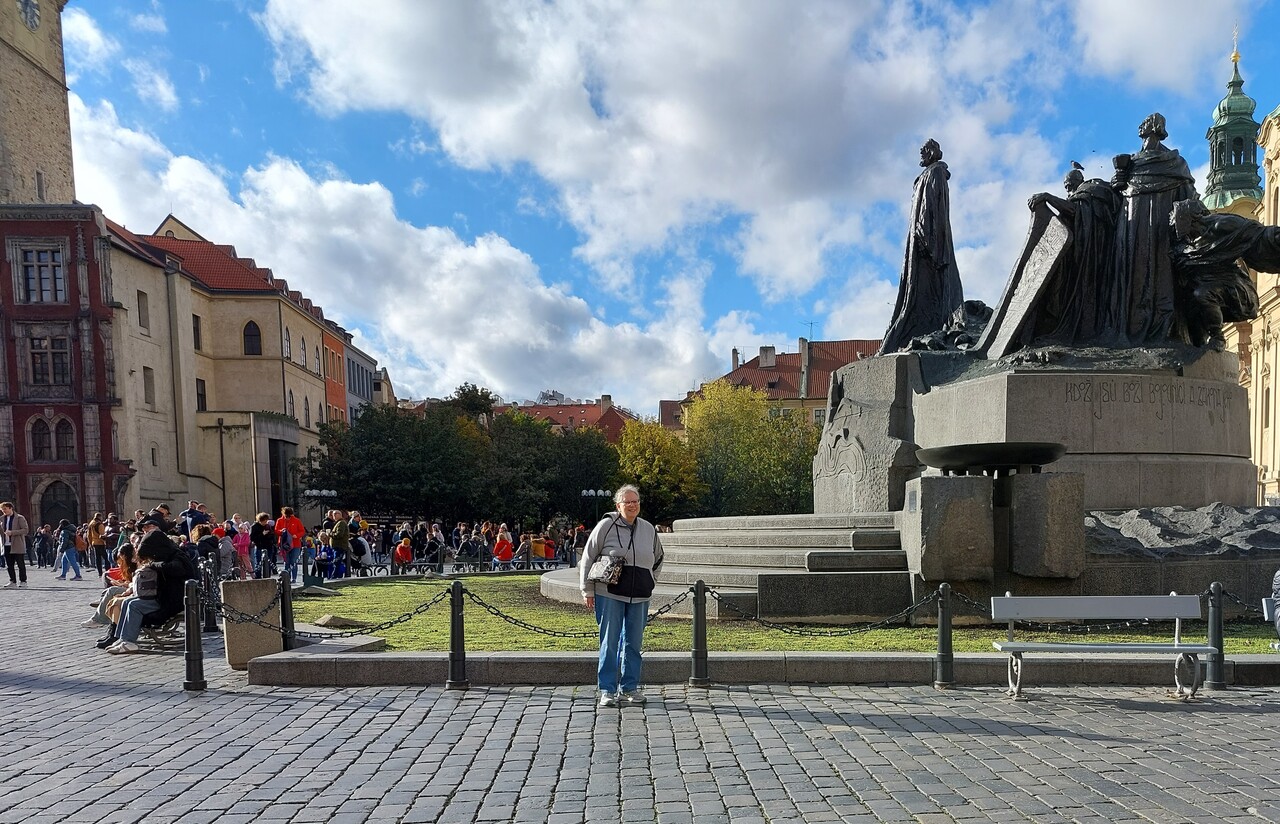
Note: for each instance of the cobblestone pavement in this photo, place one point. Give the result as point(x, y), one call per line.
point(89, 737)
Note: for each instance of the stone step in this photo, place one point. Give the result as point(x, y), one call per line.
point(745, 523)
point(731, 557)
point(562, 585)
point(839, 538)
point(717, 576)
point(856, 560)
point(875, 539)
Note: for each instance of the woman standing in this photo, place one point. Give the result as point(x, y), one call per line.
point(96, 536)
point(622, 609)
point(289, 535)
point(263, 539)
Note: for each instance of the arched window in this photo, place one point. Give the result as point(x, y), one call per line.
point(288, 344)
point(306, 412)
point(64, 439)
point(1237, 151)
point(58, 502)
point(252, 339)
point(302, 351)
point(317, 360)
point(292, 413)
point(41, 442)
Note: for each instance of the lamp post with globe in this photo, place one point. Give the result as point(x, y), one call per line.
point(596, 495)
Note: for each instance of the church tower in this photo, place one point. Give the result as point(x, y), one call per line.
point(35, 125)
point(1233, 183)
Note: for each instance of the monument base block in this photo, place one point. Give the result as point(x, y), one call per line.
point(946, 528)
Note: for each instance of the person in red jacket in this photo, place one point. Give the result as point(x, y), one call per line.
point(289, 535)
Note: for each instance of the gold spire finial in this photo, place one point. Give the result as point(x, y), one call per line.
point(1235, 43)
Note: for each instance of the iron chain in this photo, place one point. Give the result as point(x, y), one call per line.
point(511, 619)
point(236, 616)
point(825, 633)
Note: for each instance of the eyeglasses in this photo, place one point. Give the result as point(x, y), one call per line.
point(636, 502)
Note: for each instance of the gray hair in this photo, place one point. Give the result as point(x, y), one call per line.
point(622, 491)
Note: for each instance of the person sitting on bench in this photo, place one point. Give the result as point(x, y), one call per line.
point(174, 568)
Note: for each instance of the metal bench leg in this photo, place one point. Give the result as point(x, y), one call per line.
point(1015, 675)
point(1187, 667)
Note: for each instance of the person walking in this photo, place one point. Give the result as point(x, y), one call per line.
point(66, 543)
point(13, 535)
point(622, 608)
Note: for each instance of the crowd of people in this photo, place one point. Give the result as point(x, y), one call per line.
point(144, 561)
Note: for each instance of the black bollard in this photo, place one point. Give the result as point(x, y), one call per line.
point(210, 610)
point(457, 645)
point(944, 668)
point(1215, 678)
point(286, 611)
point(195, 641)
point(699, 677)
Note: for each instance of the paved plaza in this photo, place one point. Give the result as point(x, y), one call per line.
point(90, 737)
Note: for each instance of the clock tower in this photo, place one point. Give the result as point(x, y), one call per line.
point(35, 126)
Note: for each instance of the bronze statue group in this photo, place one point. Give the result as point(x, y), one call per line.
point(1145, 263)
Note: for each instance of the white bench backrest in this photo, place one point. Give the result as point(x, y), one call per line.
point(1119, 607)
point(1269, 608)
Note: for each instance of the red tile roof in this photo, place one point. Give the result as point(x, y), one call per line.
point(611, 421)
point(133, 243)
point(215, 266)
point(782, 380)
point(670, 414)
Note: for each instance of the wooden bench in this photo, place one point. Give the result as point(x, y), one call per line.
point(1186, 671)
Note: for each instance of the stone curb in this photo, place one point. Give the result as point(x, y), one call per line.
point(321, 666)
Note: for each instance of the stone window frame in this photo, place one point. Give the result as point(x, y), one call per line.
point(197, 332)
point(202, 395)
point(25, 332)
point(61, 433)
point(16, 246)
point(144, 312)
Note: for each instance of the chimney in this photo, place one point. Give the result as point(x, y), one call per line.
point(768, 357)
point(804, 368)
point(606, 403)
point(735, 358)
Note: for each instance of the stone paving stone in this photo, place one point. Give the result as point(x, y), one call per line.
point(742, 755)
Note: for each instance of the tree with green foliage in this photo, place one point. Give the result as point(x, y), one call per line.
point(753, 460)
point(472, 399)
point(728, 430)
point(658, 462)
point(583, 460)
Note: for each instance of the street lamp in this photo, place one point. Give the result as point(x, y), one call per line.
point(596, 495)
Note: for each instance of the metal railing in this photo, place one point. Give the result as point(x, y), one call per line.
point(203, 596)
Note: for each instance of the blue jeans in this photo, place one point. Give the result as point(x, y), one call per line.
point(621, 631)
point(292, 563)
point(135, 609)
point(69, 560)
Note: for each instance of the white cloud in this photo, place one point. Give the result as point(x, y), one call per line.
point(1165, 44)
point(86, 46)
point(151, 23)
point(151, 83)
point(443, 310)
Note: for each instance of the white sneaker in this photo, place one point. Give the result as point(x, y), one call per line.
point(22, 585)
point(608, 699)
point(634, 697)
point(90, 623)
point(123, 647)
point(11, 585)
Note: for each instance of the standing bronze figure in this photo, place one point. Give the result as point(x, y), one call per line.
point(929, 294)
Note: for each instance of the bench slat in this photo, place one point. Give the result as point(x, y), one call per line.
point(1104, 607)
point(1044, 646)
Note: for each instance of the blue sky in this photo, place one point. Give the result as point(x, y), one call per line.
point(609, 197)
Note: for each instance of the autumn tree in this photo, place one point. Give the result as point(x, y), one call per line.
point(658, 462)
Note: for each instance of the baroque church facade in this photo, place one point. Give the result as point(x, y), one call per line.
point(138, 369)
point(1240, 148)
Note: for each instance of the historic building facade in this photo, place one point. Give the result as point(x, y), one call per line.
point(1235, 139)
point(136, 369)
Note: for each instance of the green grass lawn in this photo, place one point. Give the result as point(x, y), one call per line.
point(374, 601)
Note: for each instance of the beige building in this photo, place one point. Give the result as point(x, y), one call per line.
point(1256, 341)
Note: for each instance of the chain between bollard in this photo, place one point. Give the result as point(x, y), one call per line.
point(236, 616)
point(883, 623)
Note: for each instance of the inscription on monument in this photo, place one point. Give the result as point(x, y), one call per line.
point(1104, 395)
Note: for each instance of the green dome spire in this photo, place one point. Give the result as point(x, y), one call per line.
point(1233, 146)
